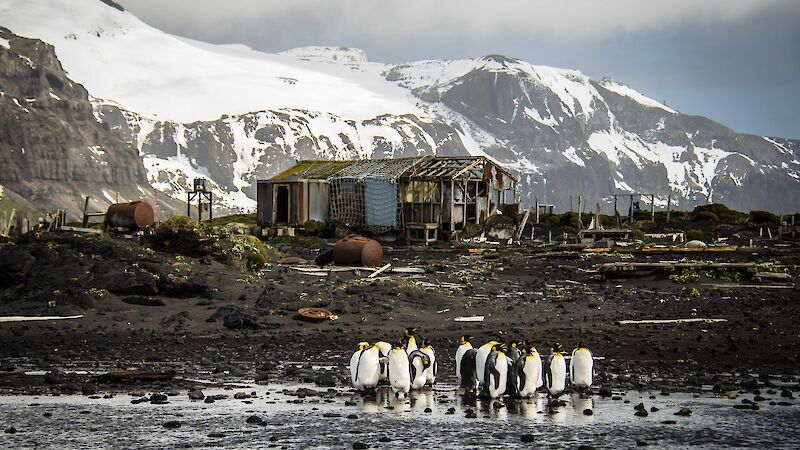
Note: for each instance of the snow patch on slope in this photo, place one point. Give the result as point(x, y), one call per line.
point(115, 56)
point(637, 96)
point(5, 43)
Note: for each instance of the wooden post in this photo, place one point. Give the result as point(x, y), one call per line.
point(580, 211)
point(780, 226)
point(570, 203)
point(653, 207)
point(669, 206)
point(85, 211)
point(537, 210)
point(616, 211)
point(630, 211)
point(793, 215)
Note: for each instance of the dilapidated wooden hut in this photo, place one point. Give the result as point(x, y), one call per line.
point(451, 192)
point(296, 195)
point(426, 195)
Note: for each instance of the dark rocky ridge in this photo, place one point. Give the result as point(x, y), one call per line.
point(52, 148)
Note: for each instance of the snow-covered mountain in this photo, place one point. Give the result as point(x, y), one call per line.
point(236, 115)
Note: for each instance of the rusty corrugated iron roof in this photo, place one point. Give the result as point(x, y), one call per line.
point(312, 169)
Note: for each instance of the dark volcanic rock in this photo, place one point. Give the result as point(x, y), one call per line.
point(236, 319)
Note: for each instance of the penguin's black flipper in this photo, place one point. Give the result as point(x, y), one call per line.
point(413, 371)
point(519, 372)
point(435, 367)
point(496, 375)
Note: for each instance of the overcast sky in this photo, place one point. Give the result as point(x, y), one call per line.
point(735, 61)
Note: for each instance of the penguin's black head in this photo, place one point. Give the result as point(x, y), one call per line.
point(556, 347)
point(582, 345)
point(398, 345)
point(409, 331)
point(466, 338)
point(363, 345)
point(426, 342)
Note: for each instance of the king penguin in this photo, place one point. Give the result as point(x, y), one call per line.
point(368, 370)
point(528, 371)
point(581, 367)
point(354, 363)
point(434, 368)
point(496, 376)
point(399, 370)
point(468, 374)
point(464, 345)
point(411, 341)
point(419, 363)
point(384, 348)
point(555, 371)
point(480, 360)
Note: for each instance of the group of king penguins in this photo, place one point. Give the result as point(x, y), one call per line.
point(516, 369)
point(403, 366)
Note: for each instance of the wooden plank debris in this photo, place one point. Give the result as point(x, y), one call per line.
point(379, 271)
point(36, 318)
point(751, 286)
point(669, 321)
point(469, 319)
point(81, 230)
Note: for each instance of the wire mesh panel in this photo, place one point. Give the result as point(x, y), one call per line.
point(380, 203)
point(364, 195)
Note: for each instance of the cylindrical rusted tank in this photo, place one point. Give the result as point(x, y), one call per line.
point(137, 215)
point(354, 249)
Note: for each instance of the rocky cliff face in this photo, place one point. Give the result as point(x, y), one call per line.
point(53, 150)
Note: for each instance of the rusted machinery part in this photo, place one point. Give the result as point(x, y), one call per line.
point(130, 215)
point(314, 314)
point(372, 254)
point(356, 249)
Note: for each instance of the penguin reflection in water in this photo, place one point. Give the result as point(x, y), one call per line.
point(555, 371)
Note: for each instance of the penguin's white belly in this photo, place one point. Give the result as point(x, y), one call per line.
point(497, 387)
point(532, 378)
point(399, 376)
point(558, 376)
point(460, 354)
point(430, 372)
point(537, 364)
point(420, 374)
point(369, 368)
point(581, 368)
point(354, 369)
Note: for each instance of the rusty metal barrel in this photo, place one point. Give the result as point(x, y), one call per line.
point(137, 215)
point(353, 249)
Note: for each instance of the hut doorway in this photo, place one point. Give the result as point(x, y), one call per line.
point(281, 204)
